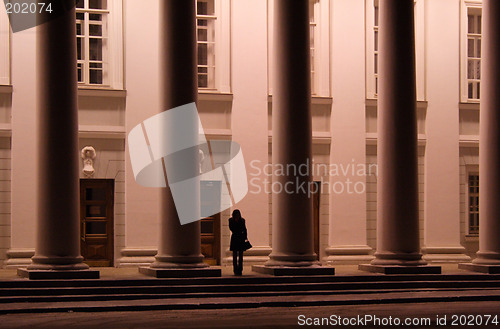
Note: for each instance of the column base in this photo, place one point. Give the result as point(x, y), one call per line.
point(481, 268)
point(348, 255)
point(400, 269)
point(57, 274)
point(135, 257)
point(200, 272)
point(445, 254)
point(19, 258)
point(293, 270)
point(386, 258)
point(487, 258)
point(179, 262)
point(191, 266)
point(291, 260)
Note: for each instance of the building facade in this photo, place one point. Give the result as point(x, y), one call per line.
point(118, 88)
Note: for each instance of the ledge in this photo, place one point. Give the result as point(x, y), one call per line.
point(318, 137)
point(98, 92)
point(373, 103)
point(371, 139)
point(316, 100)
point(5, 130)
point(469, 140)
point(472, 238)
point(6, 89)
point(214, 96)
point(474, 106)
point(88, 131)
point(224, 134)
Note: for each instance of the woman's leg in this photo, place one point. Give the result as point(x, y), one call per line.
point(235, 260)
point(240, 261)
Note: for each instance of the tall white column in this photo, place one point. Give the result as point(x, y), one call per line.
point(292, 139)
point(397, 187)
point(58, 239)
point(488, 256)
point(292, 133)
point(179, 245)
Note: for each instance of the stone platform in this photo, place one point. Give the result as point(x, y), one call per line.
point(488, 269)
point(395, 269)
point(181, 272)
point(57, 275)
point(289, 270)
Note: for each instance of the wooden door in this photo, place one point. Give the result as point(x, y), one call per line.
point(210, 226)
point(96, 221)
point(316, 213)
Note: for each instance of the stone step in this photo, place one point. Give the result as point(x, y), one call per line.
point(109, 297)
point(23, 283)
point(248, 287)
point(253, 301)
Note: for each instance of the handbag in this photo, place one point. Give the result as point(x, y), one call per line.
point(246, 245)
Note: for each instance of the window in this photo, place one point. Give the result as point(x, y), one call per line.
point(91, 41)
point(205, 15)
point(471, 52)
point(99, 43)
point(473, 213)
point(213, 44)
point(372, 48)
point(375, 49)
point(372, 14)
point(313, 36)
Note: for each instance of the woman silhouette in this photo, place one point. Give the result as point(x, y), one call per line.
point(238, 237)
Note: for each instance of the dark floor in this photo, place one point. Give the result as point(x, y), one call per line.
point(262, 317)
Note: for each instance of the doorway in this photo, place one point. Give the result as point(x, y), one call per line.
point(210, 192)
point(96, 221)
point(316, 213)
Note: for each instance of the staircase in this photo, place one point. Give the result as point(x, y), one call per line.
point(23, 296)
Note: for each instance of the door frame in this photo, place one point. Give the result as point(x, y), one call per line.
point(109, 184)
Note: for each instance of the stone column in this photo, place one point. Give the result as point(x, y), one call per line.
point(57, 253)
point(179, 246)
point(397, 187)
point(488, 256)
point(292, 140)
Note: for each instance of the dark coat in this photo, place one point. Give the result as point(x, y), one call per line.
point(239, 234)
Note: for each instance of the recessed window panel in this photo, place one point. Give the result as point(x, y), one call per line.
point(96, 76)
point(95, 30)
point(95, 194)
point(202, 54)
point(207, 227)
point(95, 49)
point(95, 211)
point(97, 4)
point(94, 227)
point(95, 17)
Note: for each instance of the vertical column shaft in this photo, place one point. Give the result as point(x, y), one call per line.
point(292, 135)
point(397, 187)
point(179, 245)
point(58, 241)
point(489, 147)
